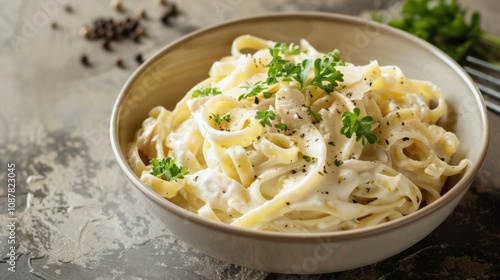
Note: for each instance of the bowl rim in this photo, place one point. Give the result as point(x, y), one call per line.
point(460, 187)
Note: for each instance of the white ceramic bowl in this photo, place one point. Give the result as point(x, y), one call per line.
point(169, 74)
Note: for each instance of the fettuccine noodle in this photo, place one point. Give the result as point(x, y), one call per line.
point(308, 177)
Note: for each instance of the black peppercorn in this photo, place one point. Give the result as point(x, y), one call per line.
point(85, 60)
point(120, 63)
point(106, 45)
point(139, 59)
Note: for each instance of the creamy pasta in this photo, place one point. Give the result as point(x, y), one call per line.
point(266, 147)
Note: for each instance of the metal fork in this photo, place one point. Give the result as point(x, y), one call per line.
point(483, 74)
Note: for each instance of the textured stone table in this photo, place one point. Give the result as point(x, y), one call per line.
point(76, 217)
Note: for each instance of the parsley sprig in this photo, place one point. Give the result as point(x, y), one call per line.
point(445, 24)
point(307, 158)
point(265, 117)
point(316, 115)
point(168, 169)
point(218, 119)
point(359, 126)
point(253, 90)
point(287, 50)
point(326, 76)
point(281, 127)
point(227, 117)
point(205, 91)
point(280, 69)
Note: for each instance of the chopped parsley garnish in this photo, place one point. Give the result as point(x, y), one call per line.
point(227, 117)
point(281, 70)
point(361, 127)
point(218, 119)
point(304, 69)
point(253, 90)
point(317, 116)
point(267, 94)
point(325, 72)
point(265, 117)
point(325, 77)
point(167, 168)
point(338, 162)
point(331, 143)
point(205, 91)
point(281, 126)
point(291, 49)
point(307, 158)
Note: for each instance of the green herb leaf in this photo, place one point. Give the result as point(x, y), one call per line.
point(167, 169)
point(338, 162)
point(265, 117)
point(268, 94)
point(307, 158)
point(287, 50)
point(218, 119)
point(317, 116)
point(215, 118)
point(305, 68)
point(279, 68)
point(282, 70)
point(227, 117)
point(281, 126)
point(446, 25)
point(205, 91)
point(361, 127)
point(253, 90)
point(326, 76)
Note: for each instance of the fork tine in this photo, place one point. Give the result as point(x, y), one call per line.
point(492, 106)
point(482, 63)
point(488, 91)
point(486, 77)
point(482, 75)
